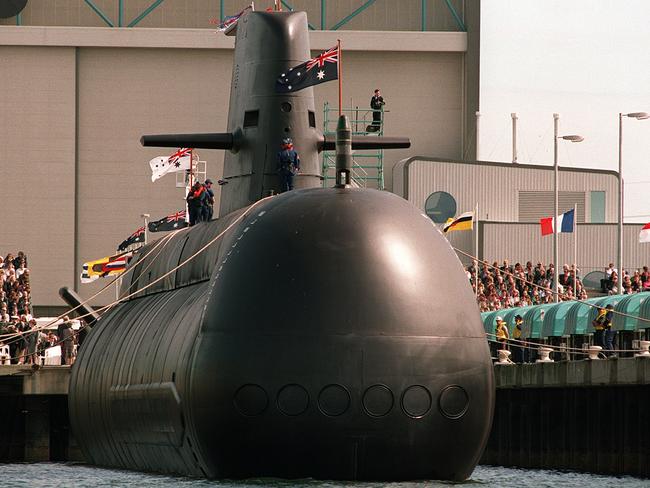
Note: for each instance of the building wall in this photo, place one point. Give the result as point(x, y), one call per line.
point(37, 162)
point(503, 234)
point(597, 245)
point(75, 102)
point(496, 186)
point(384, 15)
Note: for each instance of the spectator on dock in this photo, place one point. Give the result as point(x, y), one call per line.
point(31, 342)
point(67, 343)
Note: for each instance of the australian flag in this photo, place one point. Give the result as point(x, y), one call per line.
point(322, 68)
point(171, 222)
point(137, 236)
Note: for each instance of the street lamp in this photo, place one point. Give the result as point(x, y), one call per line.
point(638, 116)
point(145, 216)
point(572, 138)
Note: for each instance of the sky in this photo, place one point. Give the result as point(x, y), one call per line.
point(586, 60)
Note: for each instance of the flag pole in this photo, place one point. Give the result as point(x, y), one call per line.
point(476, 250)
point(189, 189)
point(575, 250)
point(340, 72)
point(145, 216)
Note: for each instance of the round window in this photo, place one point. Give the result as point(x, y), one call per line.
point(440, 206)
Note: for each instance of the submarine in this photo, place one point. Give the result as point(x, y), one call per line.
point(325, 333)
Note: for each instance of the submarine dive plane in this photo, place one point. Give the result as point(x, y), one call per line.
point(324, 332)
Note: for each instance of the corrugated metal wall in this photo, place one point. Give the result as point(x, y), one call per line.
point(597, 245)
point(534, 205)
point(497, 187)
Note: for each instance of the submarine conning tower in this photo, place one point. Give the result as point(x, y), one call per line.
point(259, 117)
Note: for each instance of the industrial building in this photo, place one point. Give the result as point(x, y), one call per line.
point(512, 198)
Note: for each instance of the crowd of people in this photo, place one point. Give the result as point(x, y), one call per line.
point(634, 283)
point(505, 286)
point(15, 291)
point(22, 341)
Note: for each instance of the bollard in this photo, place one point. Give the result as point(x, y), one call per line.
point(643, 349)
point(504, 357)
point(5, 358)
point(594, 351)
point(544, 353)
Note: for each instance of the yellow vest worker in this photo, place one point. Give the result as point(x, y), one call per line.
point(516, 334)
point(502, 332)
point(599, 323)
point(518, 347)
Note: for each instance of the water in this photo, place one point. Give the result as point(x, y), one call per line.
point(82, 476)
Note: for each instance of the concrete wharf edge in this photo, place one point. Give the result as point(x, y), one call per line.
point(589, 416)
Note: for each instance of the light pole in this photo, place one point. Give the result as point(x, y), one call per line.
point(572, 138)
point(619, 260)
point(145, 216)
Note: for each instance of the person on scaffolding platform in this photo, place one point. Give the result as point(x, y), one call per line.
point(288, 165)
point(376, 104)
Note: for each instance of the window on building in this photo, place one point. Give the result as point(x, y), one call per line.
point(535, 205)
point(440, 206)
point(312, 118)
point(597, 207)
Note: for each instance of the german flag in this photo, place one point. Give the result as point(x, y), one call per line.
point(462, 222)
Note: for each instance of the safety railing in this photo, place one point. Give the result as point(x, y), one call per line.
point(368, 165)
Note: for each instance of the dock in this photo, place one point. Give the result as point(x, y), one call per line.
point(588, 415)
point(34, 409)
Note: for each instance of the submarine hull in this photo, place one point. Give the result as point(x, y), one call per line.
point(325, 333)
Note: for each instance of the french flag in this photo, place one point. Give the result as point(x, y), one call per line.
point(564, 223)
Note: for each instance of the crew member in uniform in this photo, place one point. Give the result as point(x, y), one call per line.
point(195, 199)
point(599, 328)
point(208, 207)
point(518, 347)
point(608, 333)
point(376, 103)
point(288, 165)
point(502, 333)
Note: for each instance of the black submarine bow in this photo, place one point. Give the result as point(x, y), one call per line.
point(309, 335)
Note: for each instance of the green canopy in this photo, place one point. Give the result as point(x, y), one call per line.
point(555, 319)
point(533, 321)
point(630, 307)
point(577, 318)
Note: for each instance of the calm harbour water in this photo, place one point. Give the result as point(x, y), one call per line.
point(80, 476)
